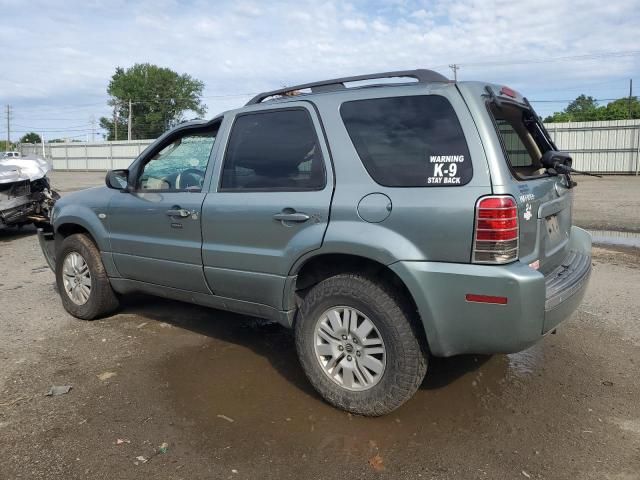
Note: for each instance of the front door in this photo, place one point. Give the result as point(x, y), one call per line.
point(269, 204)
point(155, 228)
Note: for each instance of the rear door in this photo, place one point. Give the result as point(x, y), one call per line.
point(544, 201)
point(269, 201)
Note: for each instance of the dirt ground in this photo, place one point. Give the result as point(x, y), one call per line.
point(608, 203)
point(202, 393)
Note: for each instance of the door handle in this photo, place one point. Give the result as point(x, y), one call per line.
point(294, 216)
point(178, 212)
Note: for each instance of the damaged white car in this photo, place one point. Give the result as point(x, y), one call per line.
point(25, 194)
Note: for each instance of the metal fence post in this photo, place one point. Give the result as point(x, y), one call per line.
point(86, 157)
point(111, 155)
point(638, 150)
point(66, 156)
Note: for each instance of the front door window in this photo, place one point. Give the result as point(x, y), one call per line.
point(180, 165)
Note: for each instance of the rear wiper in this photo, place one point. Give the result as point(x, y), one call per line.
point(559, 163)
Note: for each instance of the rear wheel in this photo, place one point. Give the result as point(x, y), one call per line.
point(358, 345)
point(82, 280)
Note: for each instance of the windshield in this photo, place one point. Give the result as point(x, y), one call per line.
point(523, 138)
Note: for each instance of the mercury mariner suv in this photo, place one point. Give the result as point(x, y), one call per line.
point(383, 222)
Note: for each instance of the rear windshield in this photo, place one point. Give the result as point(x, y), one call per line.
point(522, 139)
point(412, 141)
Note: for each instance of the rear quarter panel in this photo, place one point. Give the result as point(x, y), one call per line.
point(537, 198)
point(425, 223)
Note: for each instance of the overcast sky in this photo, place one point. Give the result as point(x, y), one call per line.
point(58, 56)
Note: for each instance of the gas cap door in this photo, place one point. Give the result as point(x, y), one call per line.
point(374, 207)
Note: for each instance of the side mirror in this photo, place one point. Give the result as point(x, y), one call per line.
point(118, 180)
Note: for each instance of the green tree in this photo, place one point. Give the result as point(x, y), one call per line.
point(160, 97)
point(31, 137)
point(584, 109)
point(5, 146)
point(558, 117)
point(619, 109)
point(108, 125)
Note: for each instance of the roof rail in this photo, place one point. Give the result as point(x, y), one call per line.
point(422, 75)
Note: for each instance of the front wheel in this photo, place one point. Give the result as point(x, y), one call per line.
point(358, 345)
point(82, 280)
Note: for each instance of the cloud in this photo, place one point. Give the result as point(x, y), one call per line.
point(380, 26)
point(356, 25)
point(62, 58)
point(247, 9)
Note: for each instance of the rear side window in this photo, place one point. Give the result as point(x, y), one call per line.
point(273, 151)
point(414, 141)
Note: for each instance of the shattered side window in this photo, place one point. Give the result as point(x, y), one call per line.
point(180, 165)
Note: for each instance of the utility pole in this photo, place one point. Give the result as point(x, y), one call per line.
point(455, 67)
point(129, 122)
point(630, 95)
point(92, 121)
point(8, 127)
point(115, 121)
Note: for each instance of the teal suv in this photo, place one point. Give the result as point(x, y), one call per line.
point(385, 218)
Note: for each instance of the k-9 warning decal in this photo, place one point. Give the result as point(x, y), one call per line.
point(448, 170)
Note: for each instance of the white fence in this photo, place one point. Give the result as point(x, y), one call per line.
point(605, 147)
point(88, 156)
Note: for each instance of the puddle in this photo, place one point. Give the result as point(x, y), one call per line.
point(234, 385)
point(612, 237)
point(243, 386)
point(525, 363)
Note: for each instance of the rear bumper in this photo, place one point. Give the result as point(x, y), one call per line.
point(565, 288)
point(536, 304)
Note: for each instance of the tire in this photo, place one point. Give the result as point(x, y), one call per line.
point(101, 299)
point(404, 359)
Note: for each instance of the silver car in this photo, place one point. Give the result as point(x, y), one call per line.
point(25, 194)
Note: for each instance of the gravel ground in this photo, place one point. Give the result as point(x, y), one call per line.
point(608, 203)
point(224, 397)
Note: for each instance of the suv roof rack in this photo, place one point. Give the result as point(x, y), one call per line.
point(421, 75)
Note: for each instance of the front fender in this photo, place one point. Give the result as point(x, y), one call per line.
point(85, 217)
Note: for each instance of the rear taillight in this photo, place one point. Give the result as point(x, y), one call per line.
point(495, 236)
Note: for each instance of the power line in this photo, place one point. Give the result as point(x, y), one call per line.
point(619, 80)
point(568, 58)
point(571, 100)
point(134, 100)
point(47, 128)
point(51, 130)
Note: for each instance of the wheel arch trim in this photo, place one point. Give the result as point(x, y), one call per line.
point(84, 220)
point(290, 299)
